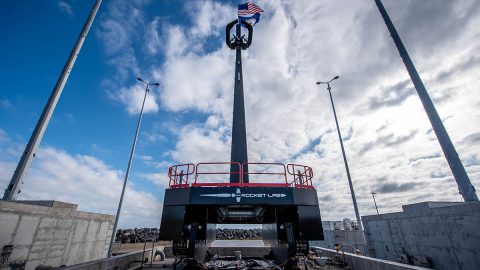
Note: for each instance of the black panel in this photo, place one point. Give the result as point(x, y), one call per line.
point(304, 196)
point(177, 196)
point(171, 227)
point(310, 223)
point(241, 195)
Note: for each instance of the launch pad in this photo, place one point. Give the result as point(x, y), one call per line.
point(281, 198)
point(286, 208)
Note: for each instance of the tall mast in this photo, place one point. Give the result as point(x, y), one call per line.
point(464, 185)
point(14, 188)
point(239, 132)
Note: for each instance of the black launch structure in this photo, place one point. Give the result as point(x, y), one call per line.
point(239, 131)
point(286, 207)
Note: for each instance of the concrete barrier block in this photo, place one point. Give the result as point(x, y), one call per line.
point(56, 252)
point(44, 235)
point(92, 231)
point(72, 256)
point(19, 252)
point(48, 223)
point(38, 255)
point(57, 247)
point(31, 264)
point(80, 230)
point(463, 230)
point(8, 223)
point(26, 230)
point(468, 257)
point(54, 261)
point(39, 247)
point(86, 252)
point(102, 232)
point(64, 224)
point(61, 236)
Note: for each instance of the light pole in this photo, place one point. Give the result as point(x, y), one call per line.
point(343, 152)
point(112, 240)
point(375, 202)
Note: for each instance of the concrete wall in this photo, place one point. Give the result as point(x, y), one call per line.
point(337, 232)
point(53, 233)
point(447, 234)
point(119, 262)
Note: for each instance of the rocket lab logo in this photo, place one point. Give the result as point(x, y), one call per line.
point(238, 195)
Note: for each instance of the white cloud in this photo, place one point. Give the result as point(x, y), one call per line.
point(133, 97)
point(65, 7)
point(298, 43)
point(86, 181)
point(388, 139)
point(3, 136)
point(206, 14)
point(153, 42)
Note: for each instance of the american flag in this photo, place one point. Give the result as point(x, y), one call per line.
point(248, 8)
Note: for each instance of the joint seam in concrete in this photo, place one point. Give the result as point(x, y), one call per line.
point(451, 243)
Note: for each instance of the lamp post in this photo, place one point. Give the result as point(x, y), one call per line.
point(343, 152)
point(375, 202)
point(112, 240)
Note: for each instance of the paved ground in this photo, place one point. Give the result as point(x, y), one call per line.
point(168, 265)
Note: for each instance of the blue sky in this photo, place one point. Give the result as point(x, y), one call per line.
point(391, 149)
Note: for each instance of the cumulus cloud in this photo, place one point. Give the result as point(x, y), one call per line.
point(396, 187)
point(289, 118)
point(133, 97)
point(84, 180)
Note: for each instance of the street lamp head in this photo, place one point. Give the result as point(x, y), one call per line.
point(156, 84)
point(319, 82)
point(336, 77)
point(140, 79)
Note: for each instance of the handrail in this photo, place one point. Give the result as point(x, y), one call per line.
point(213, 184)
point(178, 179)
point(284, 173)
point(302, 175)
point(299, 176)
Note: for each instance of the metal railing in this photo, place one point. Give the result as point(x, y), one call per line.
point(260, 175)
point(178, 176)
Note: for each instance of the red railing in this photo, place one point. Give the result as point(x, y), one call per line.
point(216, 184)
point(302, 175)
point(279, 175)
point(260, 183)
point(178, 176)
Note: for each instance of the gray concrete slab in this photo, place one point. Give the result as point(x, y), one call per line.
point(444, 233)
point(53, 233)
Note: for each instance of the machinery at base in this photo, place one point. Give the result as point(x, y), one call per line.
point(286, 207)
